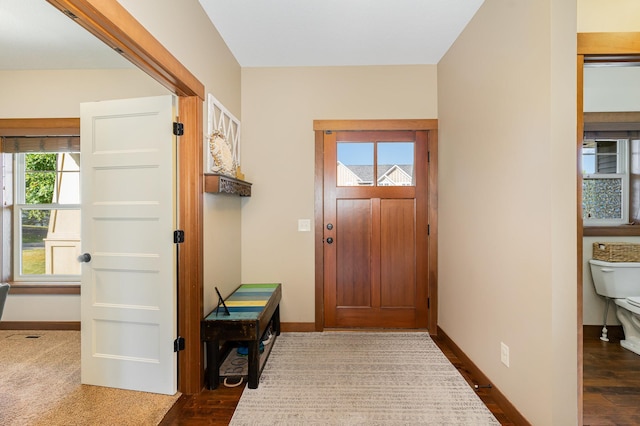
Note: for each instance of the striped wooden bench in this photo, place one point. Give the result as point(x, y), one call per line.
point(249, 311)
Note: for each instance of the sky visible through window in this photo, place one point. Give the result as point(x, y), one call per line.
point(589, 160)
point(359, 153)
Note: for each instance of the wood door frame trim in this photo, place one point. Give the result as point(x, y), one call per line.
point(432, 199)
point(619, 120)
point(579, 230)
point(40, 126)
point(613, 45)
point(114, 25)
point(355, 125)
point(592, 47)
point(118, 29)
point(430, 125)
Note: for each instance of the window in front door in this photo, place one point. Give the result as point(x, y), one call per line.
point(375, 164)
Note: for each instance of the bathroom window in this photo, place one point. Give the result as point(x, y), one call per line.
point(605, 185)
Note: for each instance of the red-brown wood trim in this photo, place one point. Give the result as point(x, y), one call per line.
point(433, 231)
point(418, 124)
point(612, 231)
point(40, 325)
point(289, 327)
point(612, 44)
point(319, 230)
point(39, 126)
point(507, 407)
point(617, 117)
point(422, 221)
point(23, 288)
point(190, 273)
point(580, 230)
point(118, 29)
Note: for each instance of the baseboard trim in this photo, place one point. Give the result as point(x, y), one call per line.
point(298, 326)
point(40, 325)
point(75, 325)
point(506, 406)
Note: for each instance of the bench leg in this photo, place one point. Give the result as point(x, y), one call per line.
point(213, 369)
point(276, 321)
point(254, 363)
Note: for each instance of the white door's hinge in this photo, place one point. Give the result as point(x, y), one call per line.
point(178, 344)
point(178, 128)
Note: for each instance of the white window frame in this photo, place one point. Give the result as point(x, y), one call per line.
point(19, 205)
point(622, 155)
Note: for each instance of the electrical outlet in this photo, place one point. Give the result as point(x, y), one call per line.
point(504, 354)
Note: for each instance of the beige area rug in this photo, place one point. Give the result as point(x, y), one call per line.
point(355, 378)
point(40, 385)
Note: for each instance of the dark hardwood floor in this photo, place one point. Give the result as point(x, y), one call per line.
point(216, 407)
point(611, 388)
point(611, 380)
point(210, 407)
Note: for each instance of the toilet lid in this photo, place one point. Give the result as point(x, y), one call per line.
point(635, 301)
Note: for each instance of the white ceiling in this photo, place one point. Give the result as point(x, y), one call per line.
point(35, 35)
point(266, 33)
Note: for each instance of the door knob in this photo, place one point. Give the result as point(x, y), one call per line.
point(329, 240)
point(84, 258)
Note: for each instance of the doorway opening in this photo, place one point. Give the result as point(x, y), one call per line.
point(113, 24)
point(595, 49)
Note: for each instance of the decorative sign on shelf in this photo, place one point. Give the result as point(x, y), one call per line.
point(223, 138)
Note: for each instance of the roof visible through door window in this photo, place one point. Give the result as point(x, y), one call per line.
point(375, 164)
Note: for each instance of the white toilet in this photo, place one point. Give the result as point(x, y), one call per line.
point(620, 281)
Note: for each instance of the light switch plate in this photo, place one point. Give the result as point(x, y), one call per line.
point(504, 353)
point(304, 225)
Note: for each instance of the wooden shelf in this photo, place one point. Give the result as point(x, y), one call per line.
point(221, 184)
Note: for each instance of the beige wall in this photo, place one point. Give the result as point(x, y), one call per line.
point(608, 16)
point(278, 109)
point(185, 30)
point(58, 93)
point(507, 202)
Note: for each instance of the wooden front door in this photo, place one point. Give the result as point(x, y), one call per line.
point(375, 230)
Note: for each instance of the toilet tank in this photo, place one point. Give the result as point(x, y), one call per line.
point(616, 280)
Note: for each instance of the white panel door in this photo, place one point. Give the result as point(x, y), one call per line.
point(128, 301)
